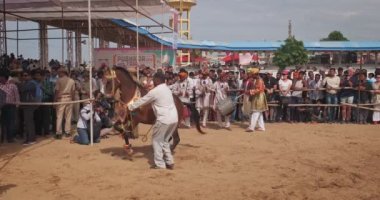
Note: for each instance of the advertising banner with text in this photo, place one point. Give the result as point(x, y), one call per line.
point(128, 57)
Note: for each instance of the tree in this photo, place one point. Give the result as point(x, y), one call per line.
point(335, 36)
point(291, 53)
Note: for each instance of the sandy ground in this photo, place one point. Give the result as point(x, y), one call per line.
point(288, 161)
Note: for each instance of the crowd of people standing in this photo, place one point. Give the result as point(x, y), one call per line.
point(290, 96)
point(293, 96)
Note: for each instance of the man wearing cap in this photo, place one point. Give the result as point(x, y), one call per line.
point(284, 85)
point(203, 90)
point(256, 90)
point(183, 89)
point(164, 108)
point(64, 92)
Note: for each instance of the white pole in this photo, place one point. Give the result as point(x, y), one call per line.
point(137, 40)
point(90, 68)
point(162, 30)
point(63, 41)
point(17, 37)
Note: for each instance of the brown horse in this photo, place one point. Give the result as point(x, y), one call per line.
point(120, 79)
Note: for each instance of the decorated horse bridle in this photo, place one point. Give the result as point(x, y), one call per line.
point(112, 76)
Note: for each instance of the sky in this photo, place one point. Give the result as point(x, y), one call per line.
point(254, 20)
point(258, 20)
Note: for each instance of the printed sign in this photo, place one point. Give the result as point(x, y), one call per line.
point(128, 57)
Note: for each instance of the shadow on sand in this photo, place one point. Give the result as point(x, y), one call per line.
point(145, 151)
point(5, 188)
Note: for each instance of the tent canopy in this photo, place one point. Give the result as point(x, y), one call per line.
point(77, 9)
point(251, 45)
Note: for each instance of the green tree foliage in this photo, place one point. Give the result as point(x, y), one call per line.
point(335, 36)
point(291, 53)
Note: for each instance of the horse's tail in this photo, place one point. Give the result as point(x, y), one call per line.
point(196, 118)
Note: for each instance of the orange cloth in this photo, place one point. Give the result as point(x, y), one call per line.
point(258, 87)
point(253, 70)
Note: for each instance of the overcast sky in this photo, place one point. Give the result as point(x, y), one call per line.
point(229, 20)
point(256, 20)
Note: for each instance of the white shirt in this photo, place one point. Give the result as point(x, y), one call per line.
point(284, 86)
point(85, 115)
point(192, 82)
point(220, 90)
point(162, 102)
point(181, 88)
point(333, 83)
point(297, 87)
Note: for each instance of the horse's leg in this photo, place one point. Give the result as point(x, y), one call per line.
point(127, 146)
point(196, 118)
point(176, 139)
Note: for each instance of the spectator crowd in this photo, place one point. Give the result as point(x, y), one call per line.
point(293, 96)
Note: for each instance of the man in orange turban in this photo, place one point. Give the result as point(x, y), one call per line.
point(258, 101)
point(182, 75)
point(203, 88)
point(184, 90)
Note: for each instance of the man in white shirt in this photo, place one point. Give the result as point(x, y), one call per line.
point(184, 90)
point(285, 85)
point(331, 82)
point(164, 108)
point(203, 95)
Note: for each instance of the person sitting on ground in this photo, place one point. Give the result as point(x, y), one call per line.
point(83, 124)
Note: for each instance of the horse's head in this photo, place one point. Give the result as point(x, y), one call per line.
point(112, 83)
point(120, 86)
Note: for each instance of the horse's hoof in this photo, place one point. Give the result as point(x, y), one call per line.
point(128, 149)
point(130, 152)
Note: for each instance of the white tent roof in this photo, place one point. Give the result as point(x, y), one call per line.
point(77, 9)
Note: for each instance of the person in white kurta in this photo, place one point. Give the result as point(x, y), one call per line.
point(221, 88)
point(183, 89)
point(164, 108)
point(203, 90)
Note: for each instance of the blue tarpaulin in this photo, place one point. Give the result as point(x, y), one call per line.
point(252, 45)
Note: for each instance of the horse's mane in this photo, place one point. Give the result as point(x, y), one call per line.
point(141, 87)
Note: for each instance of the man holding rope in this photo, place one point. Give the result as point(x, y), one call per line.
point(164, 108)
